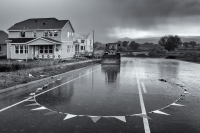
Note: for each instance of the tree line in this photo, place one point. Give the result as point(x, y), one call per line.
point(170, 43)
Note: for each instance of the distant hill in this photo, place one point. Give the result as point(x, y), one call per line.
point(155, 39)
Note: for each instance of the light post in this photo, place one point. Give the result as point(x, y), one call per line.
point(93, 44)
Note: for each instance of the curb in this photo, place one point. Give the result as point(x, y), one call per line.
point(47, 78)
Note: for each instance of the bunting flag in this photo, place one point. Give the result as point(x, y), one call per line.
point(40, 108)
point(51, 113)
point(33, 104)
point(32, 94)
point(185, 92)
point(58, 79)
point(30, 75)
point(142, 115)
point(95, 119)
point(175, 104)
point(38, 89)
point(159, 112)
point(69, 116)
point(121, 118)
point(31, 100)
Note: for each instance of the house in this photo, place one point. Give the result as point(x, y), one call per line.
point(3, 47)
point(41, 38)
point(83, 43)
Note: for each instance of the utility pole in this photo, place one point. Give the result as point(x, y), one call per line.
point(93, 43)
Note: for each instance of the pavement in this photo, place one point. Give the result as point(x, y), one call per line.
point(141, 95)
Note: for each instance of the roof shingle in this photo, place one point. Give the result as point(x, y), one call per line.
point(39, 23)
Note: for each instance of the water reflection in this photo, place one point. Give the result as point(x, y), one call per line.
point(111, 72)
point(169, 67)
point(59, 95)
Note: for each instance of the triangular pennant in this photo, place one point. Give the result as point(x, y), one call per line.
point(51, 113)
point(32, 94)
point(33, 104)
point(142, 115)
point(95, 119)
point(39, 89)
point(31, 100)
point(185, 92)
point(121, 118)
point(175, 104)
point(40, 108)
point(30, 75)
point(159, 112)
point(69, 116)
point(28, 97)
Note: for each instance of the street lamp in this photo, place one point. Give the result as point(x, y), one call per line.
point(93, 44)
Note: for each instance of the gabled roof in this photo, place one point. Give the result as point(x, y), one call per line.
point(3, 37)
point(81, 35)
point(39, 23)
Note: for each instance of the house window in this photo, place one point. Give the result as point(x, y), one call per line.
point(82, 48)
point(82, 41)
point(21, 49)
point(47, 49)
point(16, 49)
point(0, 47)
point(55, 33)
point(45, 33)
point(22, 34)
point(34, 34)
point(26, 48)
point(50, 33)
point(50, 48)
point(68, 48)
point(67, 34)
point(41, 49)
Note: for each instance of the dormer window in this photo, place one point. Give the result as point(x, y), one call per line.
point(55, 33)
point(50, 33)
point(45, 33)
point(22, 34)
point(34, 34)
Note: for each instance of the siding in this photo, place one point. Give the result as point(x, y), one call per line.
point(64, 33)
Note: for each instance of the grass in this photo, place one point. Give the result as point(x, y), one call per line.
point(14, 65)
point(9, 79)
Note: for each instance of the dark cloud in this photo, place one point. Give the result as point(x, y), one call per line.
point(103, 15)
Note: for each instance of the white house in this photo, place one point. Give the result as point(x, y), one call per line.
point(41, 38)
point(83, 43)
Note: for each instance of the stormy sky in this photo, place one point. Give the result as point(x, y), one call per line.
point(111, 19)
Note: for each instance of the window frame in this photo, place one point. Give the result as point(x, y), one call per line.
point(35, 34)
point(23, 35)
point(46, 49)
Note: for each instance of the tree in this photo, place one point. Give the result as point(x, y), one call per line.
point(159, 50)
point(134, 45)
point(185, 44)
point(170, 42)
point(193, 43)
point(124, 43)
